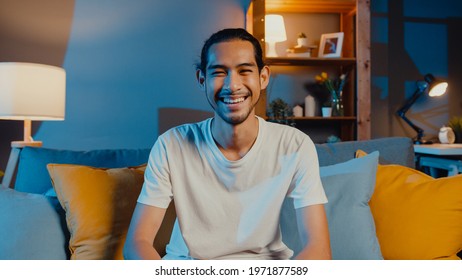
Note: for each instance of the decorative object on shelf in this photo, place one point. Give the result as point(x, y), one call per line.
point(331, 45)
point(29, 91)
point(446, 135)
point(275, 31)
point(337, 106)
point(279, 112)
point(318, 92)
point(302, 41)
point(333, 139)
point(335, 89)
point(302, 49)
point(310, 106)
point(456, 124)
point(326, 111)
point(298, 111)
point(434, 88)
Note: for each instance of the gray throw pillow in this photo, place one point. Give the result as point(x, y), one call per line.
point(30, 227)
point(349, 187)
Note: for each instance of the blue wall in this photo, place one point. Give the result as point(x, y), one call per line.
point(129, 65)
point(126, 60)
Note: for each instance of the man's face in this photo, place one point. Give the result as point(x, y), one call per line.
point(232, 82)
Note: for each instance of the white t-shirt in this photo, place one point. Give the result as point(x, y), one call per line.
point(230, 209)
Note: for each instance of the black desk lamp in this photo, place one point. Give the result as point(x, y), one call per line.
point(434, 88)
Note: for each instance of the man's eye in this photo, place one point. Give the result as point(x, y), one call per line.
point(218, 73)
point(246, 71)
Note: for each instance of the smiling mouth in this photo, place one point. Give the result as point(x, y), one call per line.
point(228, 100)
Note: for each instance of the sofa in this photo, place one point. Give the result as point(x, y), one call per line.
point(78, 204)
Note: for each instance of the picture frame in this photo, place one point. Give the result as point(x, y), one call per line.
point(331, 45)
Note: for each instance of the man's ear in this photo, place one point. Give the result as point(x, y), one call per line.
point(265, 74)
point(200, 78)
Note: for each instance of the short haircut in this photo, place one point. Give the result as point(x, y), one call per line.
point(227, 35)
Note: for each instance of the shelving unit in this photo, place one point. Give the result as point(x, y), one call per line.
point(354, 22)
point(313, 61)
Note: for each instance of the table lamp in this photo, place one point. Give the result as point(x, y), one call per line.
point(28, 92)
point(434, 88)
point(275, 31)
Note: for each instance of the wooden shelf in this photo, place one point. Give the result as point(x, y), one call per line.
point(313, 6)
point(314, 61)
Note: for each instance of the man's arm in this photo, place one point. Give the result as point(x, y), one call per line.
point(145, 224)
point(314, 224)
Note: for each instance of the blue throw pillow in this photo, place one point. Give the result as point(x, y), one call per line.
point(33, 175)
point(349, 187)
point(30, 228)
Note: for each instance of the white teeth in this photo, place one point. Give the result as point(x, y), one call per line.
point(233, 101)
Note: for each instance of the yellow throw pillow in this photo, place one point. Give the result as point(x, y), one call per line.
point(99, 204)
point(416, 216)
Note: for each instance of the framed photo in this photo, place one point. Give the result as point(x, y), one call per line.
point(331, 45)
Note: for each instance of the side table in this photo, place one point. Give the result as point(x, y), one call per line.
point(439, 156)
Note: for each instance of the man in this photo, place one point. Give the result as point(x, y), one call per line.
point(230, 174)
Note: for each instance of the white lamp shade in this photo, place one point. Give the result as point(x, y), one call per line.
point(275, 30)
point(438, 89)
point(31, 91)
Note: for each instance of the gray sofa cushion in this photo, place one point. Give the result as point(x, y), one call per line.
point(349, 187)
point(33, 175)
point(393, 150)
point(30, 227)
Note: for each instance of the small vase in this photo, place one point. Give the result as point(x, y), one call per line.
point(310, 106)
point(337, 106)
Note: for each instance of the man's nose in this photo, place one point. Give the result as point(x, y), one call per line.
point(233, 82)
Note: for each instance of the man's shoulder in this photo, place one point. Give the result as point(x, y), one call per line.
point(185, 130)
point(285, 136)
point(283, 129)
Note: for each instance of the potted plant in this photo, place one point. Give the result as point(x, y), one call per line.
point(302, 41)
point(279, 112)
point(456, 124)
point(326, 109)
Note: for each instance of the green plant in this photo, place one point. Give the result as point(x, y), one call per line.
point(301, 35)
point(279, 112)
point(456, 124)
point(334, 87)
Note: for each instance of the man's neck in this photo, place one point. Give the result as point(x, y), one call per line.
point(234, 141)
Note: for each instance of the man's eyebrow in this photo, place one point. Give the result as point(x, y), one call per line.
point(247, 64)
point(219, 66)
point(216, 66)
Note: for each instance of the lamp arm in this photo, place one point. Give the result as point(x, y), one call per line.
point(402, 112)
point(410, 102)
point(415, 127)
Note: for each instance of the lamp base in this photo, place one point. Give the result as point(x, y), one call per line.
point(16, 147)
point(271, 50)
point(22, 144)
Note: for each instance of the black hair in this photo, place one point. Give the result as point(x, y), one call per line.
point(226, 35)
